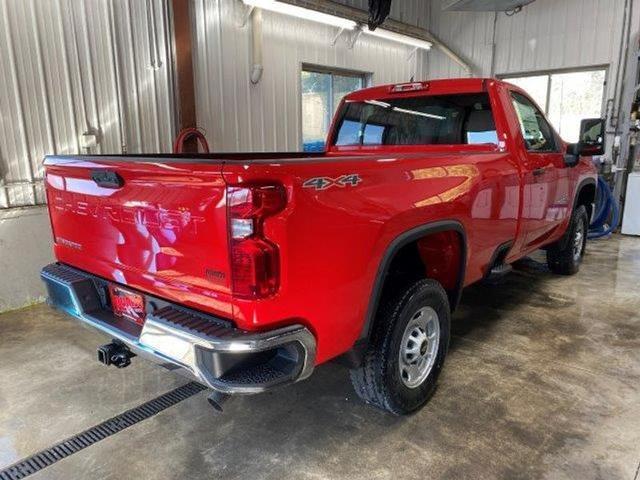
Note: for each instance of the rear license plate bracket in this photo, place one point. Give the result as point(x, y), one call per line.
point(127, 304)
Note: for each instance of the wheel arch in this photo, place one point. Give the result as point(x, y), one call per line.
point(395, 247)
point(586, 195)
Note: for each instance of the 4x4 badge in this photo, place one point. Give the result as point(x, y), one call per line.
point(322, 183)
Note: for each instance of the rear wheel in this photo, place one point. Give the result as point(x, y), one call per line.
point(406, 350)
point(565, 256)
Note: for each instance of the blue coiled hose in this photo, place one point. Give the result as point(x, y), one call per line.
point(606, 207)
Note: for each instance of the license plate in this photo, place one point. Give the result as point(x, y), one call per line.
point(127, 304)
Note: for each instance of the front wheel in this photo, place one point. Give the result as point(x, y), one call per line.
point(565, 256)
point(406, 351)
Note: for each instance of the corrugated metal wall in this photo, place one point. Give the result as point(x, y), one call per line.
point(237, 115)
point(469, 34)
point(104, 66)
point(73, 66)
point(550, 35)
point(545, 35)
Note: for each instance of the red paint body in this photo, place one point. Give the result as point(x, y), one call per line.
point(166, 231)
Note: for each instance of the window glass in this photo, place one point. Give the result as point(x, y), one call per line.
point(573, 97)
point(423, 120)
point(321, 95)
point(316, 109)
point(537, 134)
point(342, 85)
point(535, 85)
point(566, 98)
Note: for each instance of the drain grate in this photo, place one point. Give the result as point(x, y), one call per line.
point(61, 450)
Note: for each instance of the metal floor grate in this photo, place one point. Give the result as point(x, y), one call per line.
point(61, 450)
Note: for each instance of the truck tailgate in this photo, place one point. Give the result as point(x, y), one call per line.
point(155, 225)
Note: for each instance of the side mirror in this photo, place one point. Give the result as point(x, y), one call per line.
point(592, 134)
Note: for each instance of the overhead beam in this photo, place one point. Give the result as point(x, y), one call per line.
point(361, 16)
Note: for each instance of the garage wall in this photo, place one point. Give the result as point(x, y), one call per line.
point(25, 247)
point(237, 115)
point(105, 68)
point(545, 35)
point(69, 67)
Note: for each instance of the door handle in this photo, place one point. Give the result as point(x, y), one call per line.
point(538, 171)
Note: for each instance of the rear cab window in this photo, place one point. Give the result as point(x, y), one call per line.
point(460, 119)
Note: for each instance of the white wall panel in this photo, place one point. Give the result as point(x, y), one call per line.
point(469, 34)
point(237, 115)
point(545, 35)
point(72, 66)
point(550, 35)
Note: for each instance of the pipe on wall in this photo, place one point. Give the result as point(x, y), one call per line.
point(257, 67)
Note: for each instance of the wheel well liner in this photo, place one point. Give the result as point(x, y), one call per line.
point(586, 183)
point(395, 246)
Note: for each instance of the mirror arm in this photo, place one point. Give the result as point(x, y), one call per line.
point(574, 149)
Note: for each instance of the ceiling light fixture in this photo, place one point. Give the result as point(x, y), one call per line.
point(398, 37)
point(304, 13)
point(343, 23)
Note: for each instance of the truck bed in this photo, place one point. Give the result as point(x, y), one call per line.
point(165, 231)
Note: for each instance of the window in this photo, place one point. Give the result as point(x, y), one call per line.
point(424, 120)
point(322, 92)
point(566, 98)
point(535, 129)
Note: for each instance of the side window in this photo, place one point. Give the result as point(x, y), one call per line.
point(537, 133)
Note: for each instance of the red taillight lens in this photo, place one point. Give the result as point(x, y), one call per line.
point(255, 268)
point(255, 262)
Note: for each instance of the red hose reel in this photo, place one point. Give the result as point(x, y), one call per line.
point(187, 133)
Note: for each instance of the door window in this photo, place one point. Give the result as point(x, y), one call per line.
point(566, 97)
point(537, 133)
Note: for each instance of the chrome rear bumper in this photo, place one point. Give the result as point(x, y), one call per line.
point(208, 349)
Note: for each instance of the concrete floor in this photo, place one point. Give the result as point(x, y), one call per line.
point(542, 381)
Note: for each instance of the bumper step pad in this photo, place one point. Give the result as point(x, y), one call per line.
point(209, 349)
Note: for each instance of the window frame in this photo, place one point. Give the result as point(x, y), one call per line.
point(366, 78)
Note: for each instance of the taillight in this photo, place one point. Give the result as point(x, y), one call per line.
point(255, 261)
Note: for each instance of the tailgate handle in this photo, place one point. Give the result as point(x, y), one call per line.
point(107, 178)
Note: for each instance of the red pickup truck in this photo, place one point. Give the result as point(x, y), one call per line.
point(247, 270)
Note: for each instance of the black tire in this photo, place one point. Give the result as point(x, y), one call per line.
point(565, 256)
point(378, 381)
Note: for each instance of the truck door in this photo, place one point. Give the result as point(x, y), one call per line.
point(542, 163)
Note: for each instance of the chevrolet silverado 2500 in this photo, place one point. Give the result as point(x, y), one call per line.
point(248, 270)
